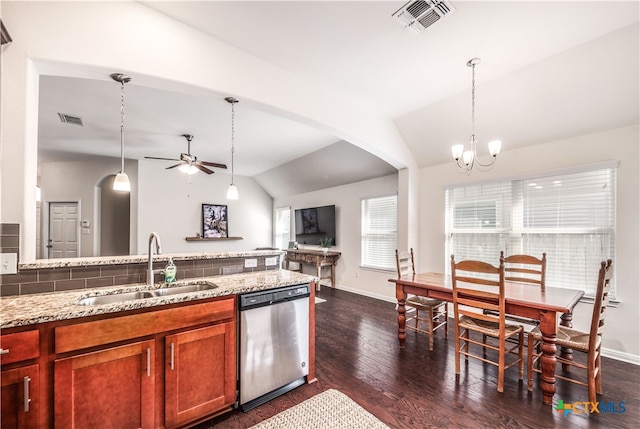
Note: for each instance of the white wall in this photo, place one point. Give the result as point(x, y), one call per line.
point(78, 181)
point(171, 206)
point(349, 275)
point(622, 337)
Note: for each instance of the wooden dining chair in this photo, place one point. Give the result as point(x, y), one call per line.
point(586, 342)
point(479, 286)
point(524, 269)
point(437, 310)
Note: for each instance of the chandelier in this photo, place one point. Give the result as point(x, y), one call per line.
point(467, 159)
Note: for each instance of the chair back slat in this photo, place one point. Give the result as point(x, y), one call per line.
point(405, 262)
point(525, 269)
point(489, 295)
point(601, 302)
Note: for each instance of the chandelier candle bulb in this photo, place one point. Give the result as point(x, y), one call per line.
point(457, 151)
point(494, 147)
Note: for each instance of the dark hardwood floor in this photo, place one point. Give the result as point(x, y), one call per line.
point(358, 354)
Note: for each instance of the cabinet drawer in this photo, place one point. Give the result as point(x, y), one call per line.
point(19, 346)
point(100, 332)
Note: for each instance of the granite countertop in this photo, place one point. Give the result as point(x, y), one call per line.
point(134, 259)
point(39, 308)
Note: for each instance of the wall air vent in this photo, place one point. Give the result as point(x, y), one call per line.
point(73, 120)
point(417, 15)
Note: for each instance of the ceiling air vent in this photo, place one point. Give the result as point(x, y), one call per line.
point(417, 15)
point(68, 119)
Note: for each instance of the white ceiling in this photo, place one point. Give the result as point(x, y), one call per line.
point(549, 70)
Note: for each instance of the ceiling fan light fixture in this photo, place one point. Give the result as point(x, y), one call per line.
point(188, 169)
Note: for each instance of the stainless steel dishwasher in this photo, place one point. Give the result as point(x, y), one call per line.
point(274, 343)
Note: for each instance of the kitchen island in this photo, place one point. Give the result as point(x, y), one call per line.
point(163, 361)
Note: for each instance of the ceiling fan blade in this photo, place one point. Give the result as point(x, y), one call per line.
point(203, 168)
point(212, 164)
point(174, 166)
point(163, 159)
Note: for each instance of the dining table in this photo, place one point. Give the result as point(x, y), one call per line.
point(520, 300)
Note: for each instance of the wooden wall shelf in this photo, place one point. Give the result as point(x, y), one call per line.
point(212, 238)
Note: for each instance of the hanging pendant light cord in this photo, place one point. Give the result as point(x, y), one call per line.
point(122, 128)
point(233, 146)
point(473, 103)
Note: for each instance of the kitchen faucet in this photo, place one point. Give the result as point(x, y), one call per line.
point(150, 271)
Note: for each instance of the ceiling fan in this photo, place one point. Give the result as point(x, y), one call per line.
point(189, 163)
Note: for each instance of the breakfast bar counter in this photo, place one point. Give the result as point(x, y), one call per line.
point(26, 310)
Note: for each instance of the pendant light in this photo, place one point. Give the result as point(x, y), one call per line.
point(121, 183)
point(470, 156)
point(232, 192)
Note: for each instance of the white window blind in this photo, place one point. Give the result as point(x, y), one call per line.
point(282, 227)
point(379, 220)
point(569, 216)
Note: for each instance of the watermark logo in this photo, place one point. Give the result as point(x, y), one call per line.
point(586, 407)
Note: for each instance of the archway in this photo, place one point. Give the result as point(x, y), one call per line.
point(114, 221)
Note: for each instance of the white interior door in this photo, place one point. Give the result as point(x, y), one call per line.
point(63, 230)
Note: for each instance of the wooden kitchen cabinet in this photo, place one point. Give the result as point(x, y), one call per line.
point(161, 368)
point(19, 384)
point(111, 388)
point(200, 373)
point(19, 400)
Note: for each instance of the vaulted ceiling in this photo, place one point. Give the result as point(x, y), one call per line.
point(549, 70)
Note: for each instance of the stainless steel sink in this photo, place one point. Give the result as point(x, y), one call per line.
point(184, 289)
point(130, 296)
point(116, 297)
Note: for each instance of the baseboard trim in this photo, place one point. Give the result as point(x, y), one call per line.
point(365, 293)
point(621, 356)
point(606, 352)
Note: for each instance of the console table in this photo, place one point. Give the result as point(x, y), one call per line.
point(318, 258)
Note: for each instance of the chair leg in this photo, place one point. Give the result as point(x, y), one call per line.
point(521, 355)
point(501, 360)
point(484, 349)
point(530, 346)
point(466, 344)
point(417, 317)
point(431, 328)
point(446, 320)
point(599, 375)
point(456, 330)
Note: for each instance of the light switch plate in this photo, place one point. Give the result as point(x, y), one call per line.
point(250, 263)
point(271, 261)
point(8, 263)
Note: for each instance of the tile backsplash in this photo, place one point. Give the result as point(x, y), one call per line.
point(73, 278)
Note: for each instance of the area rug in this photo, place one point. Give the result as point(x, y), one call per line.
point(319, 300)
point(330, 409)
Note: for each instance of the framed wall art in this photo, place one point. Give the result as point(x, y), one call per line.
point(215, 221)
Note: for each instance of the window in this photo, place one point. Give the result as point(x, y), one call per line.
point(569, 216)
point(282, 227)
point(379, 220)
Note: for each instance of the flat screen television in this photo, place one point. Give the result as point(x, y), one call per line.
point(315, 223)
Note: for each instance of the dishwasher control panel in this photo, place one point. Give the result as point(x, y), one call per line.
point(272, 296)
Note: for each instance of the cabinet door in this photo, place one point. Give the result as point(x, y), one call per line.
point(200, 373)
point(111, 388)
point(19, 401)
